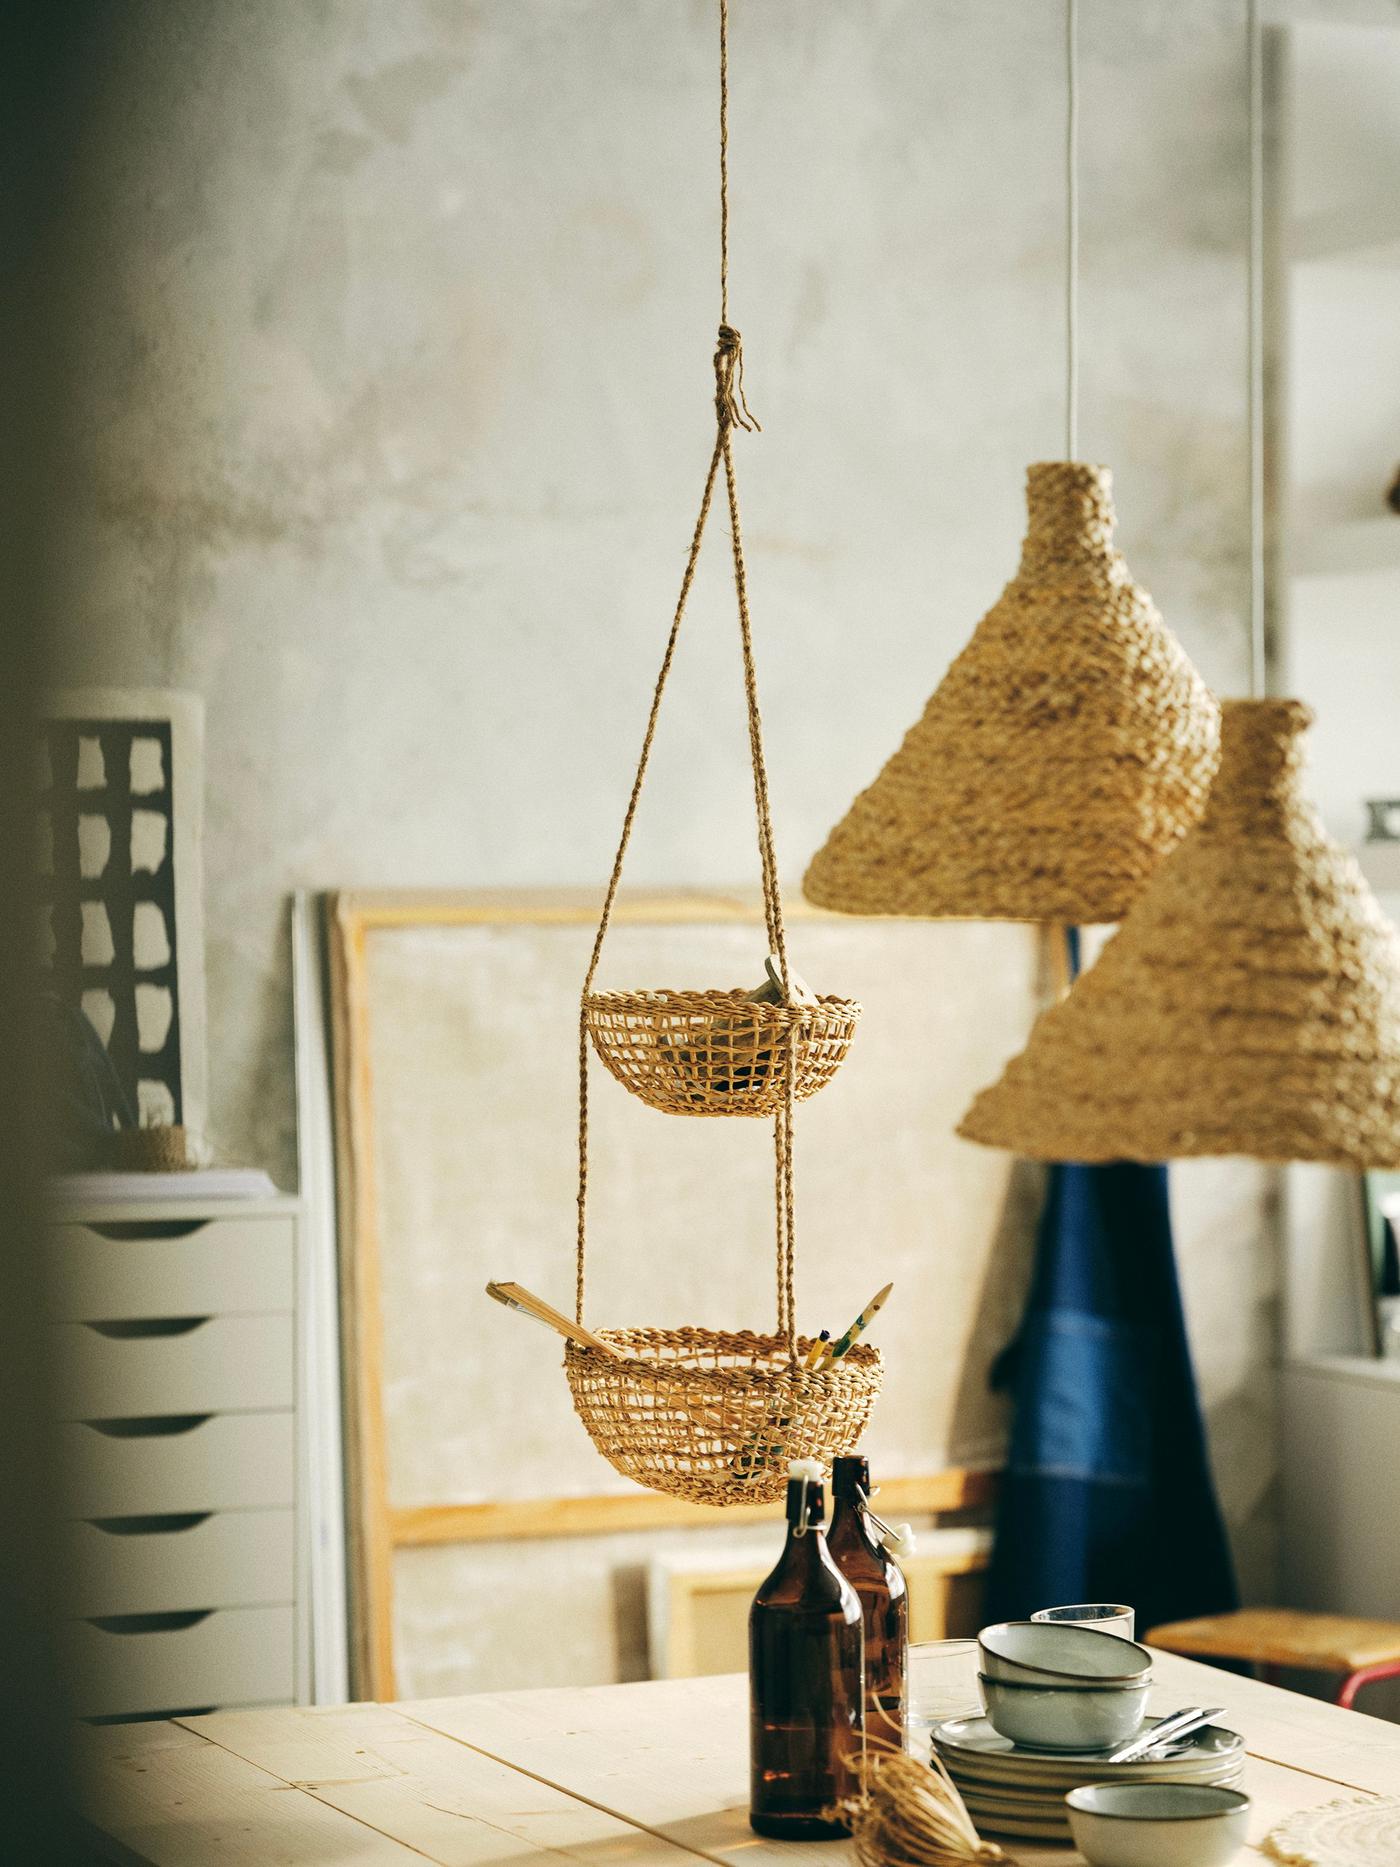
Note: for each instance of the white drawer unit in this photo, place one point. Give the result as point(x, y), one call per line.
point(174, 1354)
point(119, 1269)
point(192, 1462)
point(142, 1663)
point(190, 1560)
point(199, 1364)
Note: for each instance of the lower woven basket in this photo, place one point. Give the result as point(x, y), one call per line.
point(718, 1053)
point(716, 1418)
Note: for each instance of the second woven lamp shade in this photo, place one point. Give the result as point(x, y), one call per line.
point(1068, 748)
point(1249, 1004)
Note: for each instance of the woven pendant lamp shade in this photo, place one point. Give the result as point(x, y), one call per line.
point(1069, 747)
point(1249, 1004)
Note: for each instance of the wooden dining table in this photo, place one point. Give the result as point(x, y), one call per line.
point(643, 1775)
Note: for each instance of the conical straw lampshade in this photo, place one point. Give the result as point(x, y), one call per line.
point(1249, 1004)
point(1069, 746)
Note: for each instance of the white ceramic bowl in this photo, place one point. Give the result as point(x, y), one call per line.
point(1058, 1653)
point(1157, 1824)
point(1054, 1717)
point(1108, 1617)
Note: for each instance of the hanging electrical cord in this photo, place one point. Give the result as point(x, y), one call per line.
point(1071, 229)
point(1254, 348)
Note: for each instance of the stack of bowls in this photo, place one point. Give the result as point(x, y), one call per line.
point(1061, 1686)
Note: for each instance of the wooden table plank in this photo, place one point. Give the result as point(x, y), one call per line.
point(452, 1805)
point(673, 1753)
point(1304, 1734)
point(627, 1776)
point(166, 1802)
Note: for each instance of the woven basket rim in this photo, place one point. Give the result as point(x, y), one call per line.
point(725, 998)
point(861, 1359)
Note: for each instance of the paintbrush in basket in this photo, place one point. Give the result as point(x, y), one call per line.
point(516, 1296)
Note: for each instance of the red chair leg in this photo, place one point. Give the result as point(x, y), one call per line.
point(1366, 1675)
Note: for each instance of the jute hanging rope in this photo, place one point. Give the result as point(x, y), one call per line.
point(711, 1416)
point(1249, 1004)
point(1067, 749)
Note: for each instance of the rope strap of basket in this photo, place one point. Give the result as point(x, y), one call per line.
point(731, 411)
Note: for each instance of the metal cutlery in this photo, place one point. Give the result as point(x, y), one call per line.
point(1168, 1730)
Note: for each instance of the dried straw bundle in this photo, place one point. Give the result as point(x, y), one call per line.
point(1249, 1004)
point(1067, 749)
point(909, 1814)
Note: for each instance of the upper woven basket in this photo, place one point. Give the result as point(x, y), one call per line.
point(1067, 749)
point(1249, 1004)
point(718, 1053)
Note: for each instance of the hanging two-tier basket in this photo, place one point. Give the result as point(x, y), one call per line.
point(703, 1414)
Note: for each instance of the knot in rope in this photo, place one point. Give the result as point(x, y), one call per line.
point(733, 411)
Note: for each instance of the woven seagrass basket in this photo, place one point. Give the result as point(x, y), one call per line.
point(718, 1053)
point(714, 1417)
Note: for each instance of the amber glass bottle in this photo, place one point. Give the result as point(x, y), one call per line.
point(878, 1580)
point(805, 1673)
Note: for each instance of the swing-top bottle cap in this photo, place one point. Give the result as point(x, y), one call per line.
point(899, 1539)
point(850, 1478)
point(806, 1498)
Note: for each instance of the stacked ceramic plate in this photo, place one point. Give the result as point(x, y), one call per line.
point(1012, 1791)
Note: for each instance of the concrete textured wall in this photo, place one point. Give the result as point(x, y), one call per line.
point(396, 330)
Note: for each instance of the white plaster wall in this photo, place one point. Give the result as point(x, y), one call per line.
point(395, 349)
point(1341, 273)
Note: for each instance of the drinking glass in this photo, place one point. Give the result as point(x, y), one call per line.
point(1105, 1617)
point(940, 1682)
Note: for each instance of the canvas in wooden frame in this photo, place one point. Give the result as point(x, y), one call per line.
point(454, 1021)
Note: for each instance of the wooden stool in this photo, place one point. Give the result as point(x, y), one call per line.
point(1274, 1638)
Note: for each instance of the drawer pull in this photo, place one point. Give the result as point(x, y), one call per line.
point(148, 1426)
point(118, 1230)
point(164, 1525)
point(169, 1623)
point(148, 1326)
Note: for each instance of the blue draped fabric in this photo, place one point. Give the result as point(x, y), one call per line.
point(1108, 1493)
